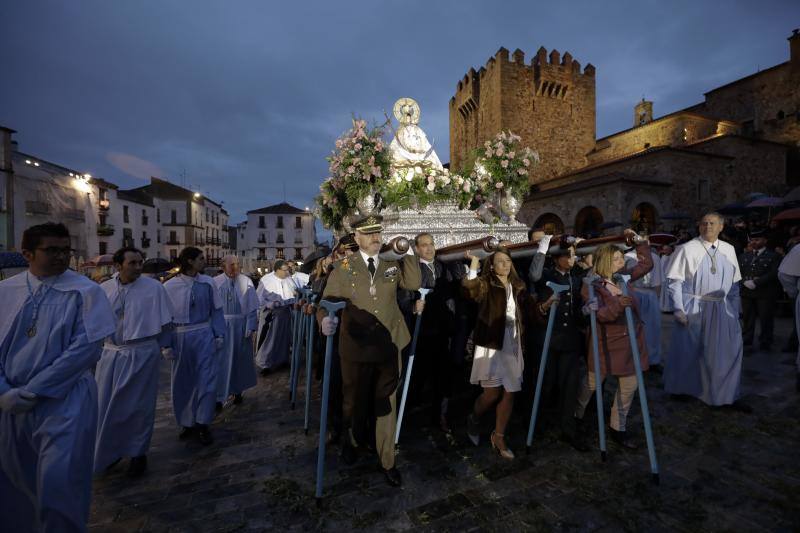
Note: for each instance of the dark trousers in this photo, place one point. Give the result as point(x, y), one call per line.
point(560, 386)
point(434, 367)
point(764, 310)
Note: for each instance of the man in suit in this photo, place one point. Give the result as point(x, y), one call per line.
point(435, 363)
point(372, 335)
point(759, 289)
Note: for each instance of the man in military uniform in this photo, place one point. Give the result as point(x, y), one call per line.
point(373, 333)
point(561, 377)
point(759, 289)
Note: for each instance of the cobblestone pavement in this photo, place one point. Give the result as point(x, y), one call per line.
point(720, 470)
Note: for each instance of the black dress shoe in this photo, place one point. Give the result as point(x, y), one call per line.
point(658, 369)
point(204, 435)
point(137, 466)
point(185, 433)
point(237, 399)
point(622, 438)
point(349, 454)
point(392, 476)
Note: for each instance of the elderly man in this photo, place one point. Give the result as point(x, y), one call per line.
point(276, 295)
point(51, 330)
point(373, 333)
point(759, 290)
point(705, 354)
point(236, 372)
point(127, 374)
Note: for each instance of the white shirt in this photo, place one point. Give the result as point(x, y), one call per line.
point(365, 257)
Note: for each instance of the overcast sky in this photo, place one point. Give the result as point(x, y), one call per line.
point(247, 97)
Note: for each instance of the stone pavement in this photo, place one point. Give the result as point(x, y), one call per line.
point(720, 470)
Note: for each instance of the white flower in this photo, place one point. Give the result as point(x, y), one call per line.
point(526, 162)
point(459, 180)
point(498, 185)
point(409, 174)
point(418, 170)
point(522, 171)
point(511, 155)
point(431, 186)
point(397, 178)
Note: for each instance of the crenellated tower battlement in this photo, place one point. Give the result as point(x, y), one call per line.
point(549, 102)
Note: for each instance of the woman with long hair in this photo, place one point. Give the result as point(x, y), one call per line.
point(199, 333)
point(616, 356)
point(497, 364)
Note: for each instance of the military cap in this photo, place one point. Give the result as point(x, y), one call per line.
point(758, 234)
point(368, 224)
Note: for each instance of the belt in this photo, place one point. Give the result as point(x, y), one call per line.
point(185, 328)
point(704, 298)
point(130, 344)
point(233, 316)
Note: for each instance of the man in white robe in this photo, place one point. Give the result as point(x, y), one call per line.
point(705, 354)
point(647, 291)
point(237, 371)
point(276, 295)
point(789, 276)
point(665, 260)
point(52, 325)
point(199, 336)
point(127, 374)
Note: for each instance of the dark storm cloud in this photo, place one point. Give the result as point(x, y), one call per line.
point(247, 97)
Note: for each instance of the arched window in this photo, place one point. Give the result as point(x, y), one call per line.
point(551, 223)
point(588, 221)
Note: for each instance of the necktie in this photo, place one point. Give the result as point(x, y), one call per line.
point(371, 266)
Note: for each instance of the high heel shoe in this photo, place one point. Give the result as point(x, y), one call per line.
point(504, 453)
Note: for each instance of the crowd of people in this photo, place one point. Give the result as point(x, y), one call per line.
point(79, 362)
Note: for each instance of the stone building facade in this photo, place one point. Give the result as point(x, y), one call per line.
point(744, 137)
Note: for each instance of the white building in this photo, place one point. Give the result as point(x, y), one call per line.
point(279, 231)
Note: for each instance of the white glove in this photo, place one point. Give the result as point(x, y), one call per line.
point(544, 244)
point(167, 353)
point(219, 342)
point(680, 318)
point(329, 325)
point(17, 401)
point(590, 306)
point(248, 333)
point(750, 284)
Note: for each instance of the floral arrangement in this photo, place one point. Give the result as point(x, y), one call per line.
point(500, 176)
point(361, 167)
point(358, 165)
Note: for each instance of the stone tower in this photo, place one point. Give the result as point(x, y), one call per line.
point(549, 103)
point(642, 113)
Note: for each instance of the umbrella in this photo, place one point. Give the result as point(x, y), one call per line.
point(793, 196)
point(311, 260)
point(12, 260)
point(789, 214)
point(675, 216)
point(755, 195)
point(766, 201)
point(101, 260)
point(156, 265)
point(611, 224)
point(735, 208)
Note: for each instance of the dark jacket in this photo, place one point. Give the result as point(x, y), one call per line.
point(438, 318)
point(490, 295)
point(569, 321)
point(763, 270)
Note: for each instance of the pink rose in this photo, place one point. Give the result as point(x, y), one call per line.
point(499, 185)
point(526, 162)
point(499, 151)
point(504, 163)
point(467, 187)
point(357, 147)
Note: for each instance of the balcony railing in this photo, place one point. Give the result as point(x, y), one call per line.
point(200, 242)
point(145, 220)
point(173, 241)
point(105, 230)
point(214, 262)
point(145, 243)
point(37, 208)
point(214, 240)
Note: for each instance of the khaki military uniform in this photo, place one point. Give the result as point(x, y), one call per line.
point(372, 333)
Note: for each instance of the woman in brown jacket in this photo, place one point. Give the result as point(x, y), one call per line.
point(497, 364)
point(616, 357)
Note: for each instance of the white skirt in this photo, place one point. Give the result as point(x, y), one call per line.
point(496, 368)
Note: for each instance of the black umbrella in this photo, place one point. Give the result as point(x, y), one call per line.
point(156, 265)
point(311, 259)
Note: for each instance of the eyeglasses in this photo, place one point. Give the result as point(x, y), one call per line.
point(55, 250)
